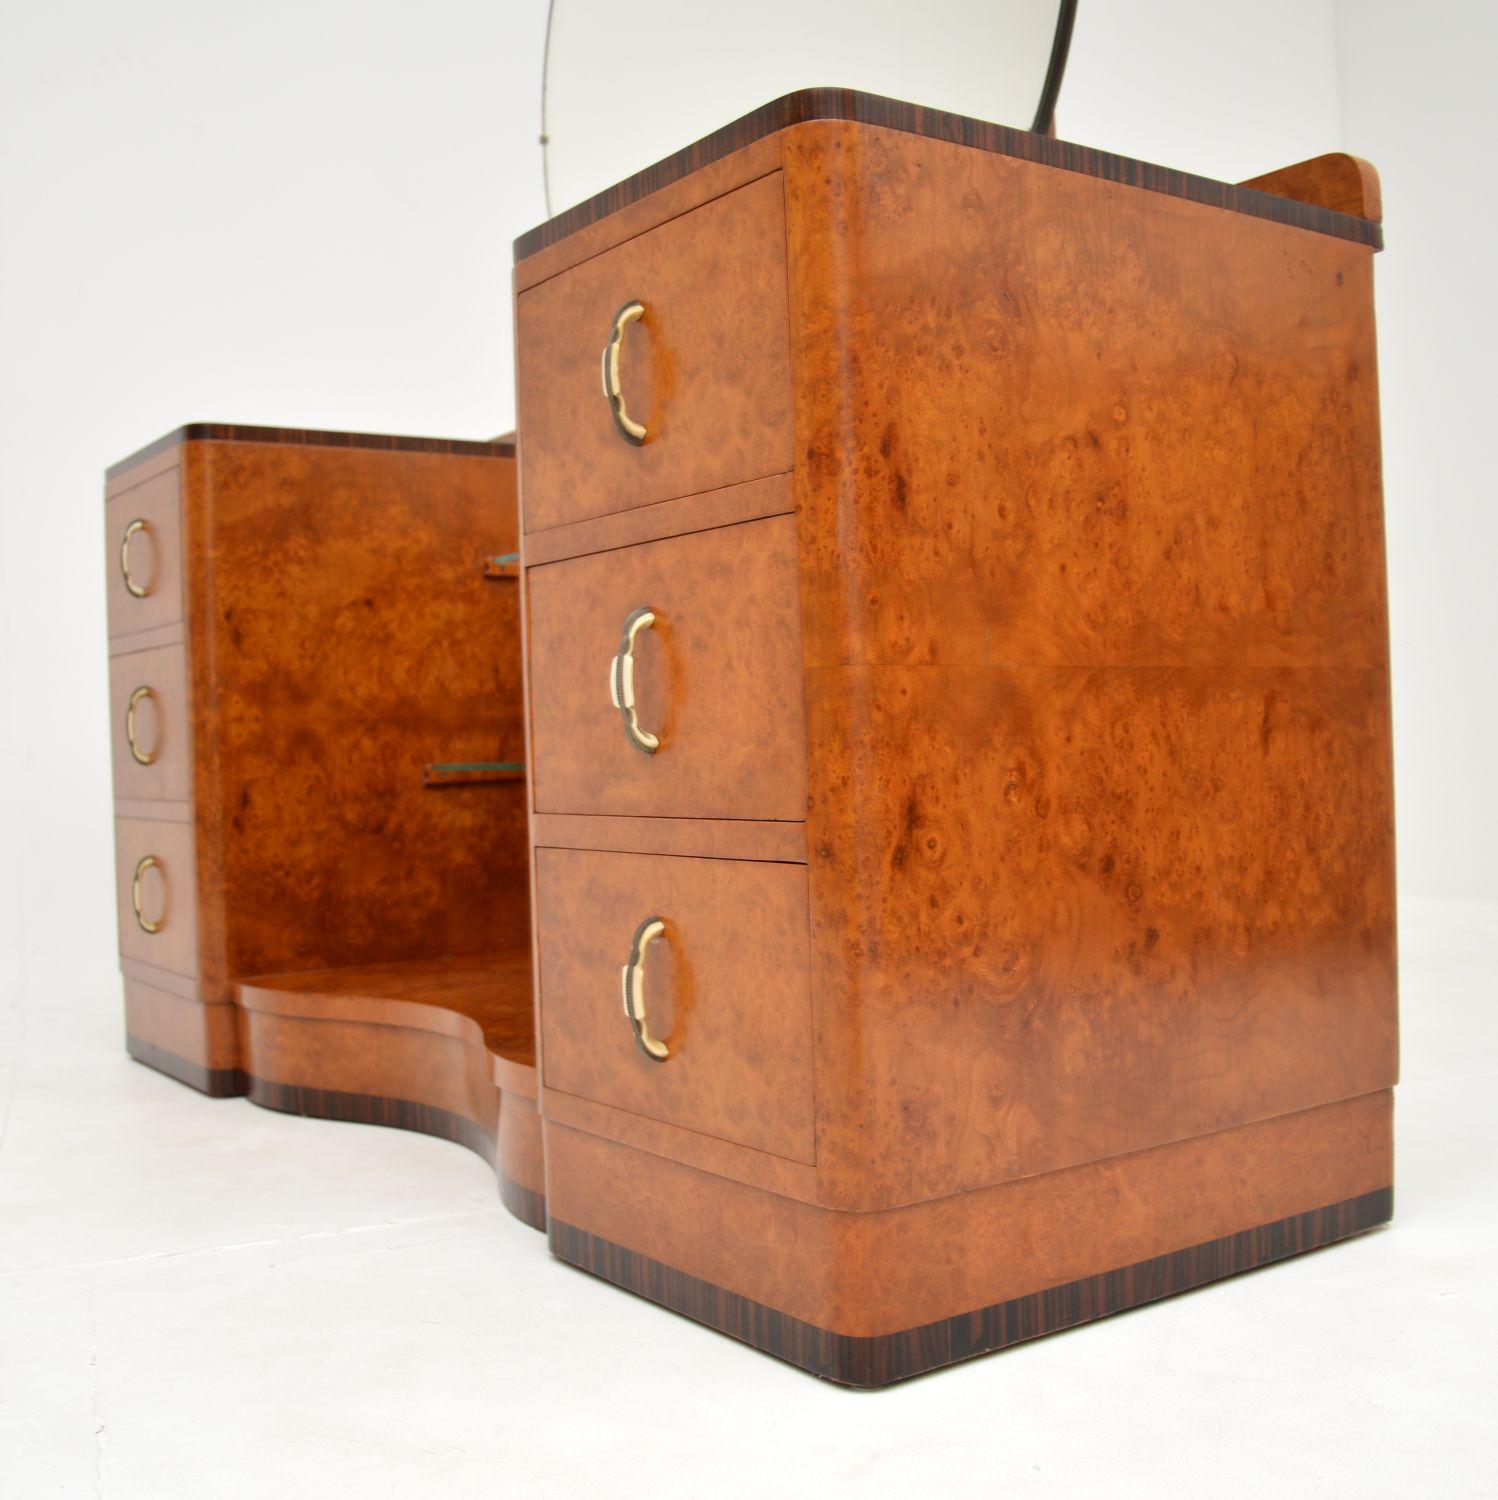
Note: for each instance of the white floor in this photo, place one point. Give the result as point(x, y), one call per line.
point(201, 1298)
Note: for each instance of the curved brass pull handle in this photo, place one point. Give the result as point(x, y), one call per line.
point(633, 975)
point(150, 862)
point(138, 590)
point(139, 756)
point(624, 424)
point(622, 681)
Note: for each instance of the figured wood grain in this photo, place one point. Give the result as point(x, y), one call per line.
point(883, 1359)
point(160, 451)
point(806, 106)
point(156, 555)
point(167, 890)
point(866, 1275)
point(725, 989)
point(706, 369)
point(180, 1035)
point(163, 725)
point(342, 638)
point(1346, 184)
point(445, 1048)
point(716, 678)
point(1091, 550)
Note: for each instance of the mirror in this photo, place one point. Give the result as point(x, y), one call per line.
point(624, 85)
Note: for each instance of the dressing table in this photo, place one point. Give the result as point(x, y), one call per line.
point(949, 891)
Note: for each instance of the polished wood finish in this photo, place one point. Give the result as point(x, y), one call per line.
point(443, 1047)
point(319, 844)
point(1110, 682)
point(882, 1359)
point(726, 989)
point(707, 369)
point(1346, 184)
point(717, 678)
point(155, 555)
point(1090, 597)
point(160, 768)
point(164, 448)
point(167, 892)
point(889, 1275)
point(338, 784)
point(807, 106)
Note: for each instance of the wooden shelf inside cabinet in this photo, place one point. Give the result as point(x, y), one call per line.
point(446, 1047)
point(473, 773)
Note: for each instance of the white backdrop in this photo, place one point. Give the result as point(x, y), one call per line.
point(301, 213)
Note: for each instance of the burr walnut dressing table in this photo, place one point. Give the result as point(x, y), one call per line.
point(956, 693)
point(319, 779)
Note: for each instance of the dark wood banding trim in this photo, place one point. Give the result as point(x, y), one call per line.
point(218, 1083)
point(358, 1109)
point(884, 1359)
point(807, 105)
point(525, 1203)
point(401, 1114)
point(229, 432)
point(372, 1109)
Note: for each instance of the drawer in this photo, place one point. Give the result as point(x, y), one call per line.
point(716, 676)
point(706, 368)
point(143, 555)
point(725, 988)
point(150, 731)
point(168, 893)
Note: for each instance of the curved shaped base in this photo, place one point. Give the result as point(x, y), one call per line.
point(443, 1048)
point(527, 1205)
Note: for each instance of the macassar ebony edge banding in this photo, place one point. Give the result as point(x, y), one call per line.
point(884, 1359)
point(869, 109)
point(228, 432)
point(402, 1114)
point(218, 1083)
point(357, 1109)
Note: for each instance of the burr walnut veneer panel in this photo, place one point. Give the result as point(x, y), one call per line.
point(707, 369)
point(1084, 497)
point(314, 632)
point(725, 990)
point(717, 678)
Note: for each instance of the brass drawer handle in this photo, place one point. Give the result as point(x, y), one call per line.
point(622, 681)
point(150, 862)
point(139, 590)
point(634, 989)
point(624, 424)
point(139, 756)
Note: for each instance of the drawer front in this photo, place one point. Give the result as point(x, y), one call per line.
point(143, 555)
point(725, 989)
point(150, 732)
point(168, 893)
point(716, 678)
point(706, 368)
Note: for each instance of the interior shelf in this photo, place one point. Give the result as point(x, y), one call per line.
point(493, 991)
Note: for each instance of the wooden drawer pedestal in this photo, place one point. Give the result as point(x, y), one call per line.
point(318, 773)
point(992, 533)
